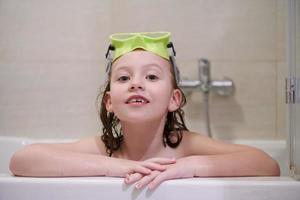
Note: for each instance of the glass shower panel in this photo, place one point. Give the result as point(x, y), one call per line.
point(293, 86)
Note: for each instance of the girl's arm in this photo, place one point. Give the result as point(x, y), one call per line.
point(248, 163)
point(82, 158)
point(245, 163)
point(218, 158)
point(205, 157)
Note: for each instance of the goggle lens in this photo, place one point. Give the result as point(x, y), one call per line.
point(155, 42)
point(151, 35)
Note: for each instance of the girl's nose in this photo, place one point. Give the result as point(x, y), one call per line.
point(136, 85)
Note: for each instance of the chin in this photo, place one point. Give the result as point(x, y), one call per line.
point(141, 119)
point(136, 120)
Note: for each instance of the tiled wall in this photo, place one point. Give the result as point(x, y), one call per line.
point(52, 61)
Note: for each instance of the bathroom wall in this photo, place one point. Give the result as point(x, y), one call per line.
point(52, 61)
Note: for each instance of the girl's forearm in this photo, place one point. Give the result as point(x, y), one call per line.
point(247, 163)
point(45, 161)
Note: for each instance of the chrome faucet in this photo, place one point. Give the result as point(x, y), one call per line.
point(204, 74)
point(224, 87)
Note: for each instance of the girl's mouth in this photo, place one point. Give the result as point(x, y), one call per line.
point(137, 99)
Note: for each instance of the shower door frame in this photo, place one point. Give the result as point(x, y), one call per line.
point(293, 86)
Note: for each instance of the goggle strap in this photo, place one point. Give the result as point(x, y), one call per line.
point(109, 61)
point(170, 45)
point(172, 54)
point(109, 57)
point(175, 69)
point(108, 68)
point(110, 48)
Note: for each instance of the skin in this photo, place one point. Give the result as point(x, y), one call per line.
point(142, 159)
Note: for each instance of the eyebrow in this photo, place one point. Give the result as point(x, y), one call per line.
point(154, 65)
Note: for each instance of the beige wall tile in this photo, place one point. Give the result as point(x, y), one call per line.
point(49, 99)
point(281, 106)
point(281, 30)
point(53, 30)
point(226, 30)
point(282, 69)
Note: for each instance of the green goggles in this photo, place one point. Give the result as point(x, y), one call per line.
point(155, 42)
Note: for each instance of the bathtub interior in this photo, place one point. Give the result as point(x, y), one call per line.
point(9, 145)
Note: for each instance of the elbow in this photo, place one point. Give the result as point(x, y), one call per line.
point(15, 164)
point(21, 161)
point(262, 164)
point(269, 165)
point(274, 168)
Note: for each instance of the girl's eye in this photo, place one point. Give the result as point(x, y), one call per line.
point(152, 77)
point(123, 78)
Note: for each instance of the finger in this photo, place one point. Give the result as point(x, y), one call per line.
point(154, 166)
point(163, 161)
point(146, 179)
point(131, 178)
point(142, 170)
point(158, 180)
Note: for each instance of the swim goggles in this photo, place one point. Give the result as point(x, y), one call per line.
point(155, 42)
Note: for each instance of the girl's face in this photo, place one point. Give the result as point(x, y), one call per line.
point(141, 88)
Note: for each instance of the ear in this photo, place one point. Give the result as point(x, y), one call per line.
point(175, 100)
point(107, 102)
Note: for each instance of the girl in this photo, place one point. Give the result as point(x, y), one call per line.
point(145, 139)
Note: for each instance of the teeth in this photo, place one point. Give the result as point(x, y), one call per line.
point(137, 101)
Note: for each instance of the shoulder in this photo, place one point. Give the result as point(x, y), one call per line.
point(92, 145)
point(199, 144)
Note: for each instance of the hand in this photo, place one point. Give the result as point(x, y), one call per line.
point(183, 168)
point(122, 167)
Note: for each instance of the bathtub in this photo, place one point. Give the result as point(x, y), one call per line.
point(240, 188)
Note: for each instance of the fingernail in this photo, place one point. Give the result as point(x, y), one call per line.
point(137, 185)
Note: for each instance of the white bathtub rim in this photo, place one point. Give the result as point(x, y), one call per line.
point(239, 181)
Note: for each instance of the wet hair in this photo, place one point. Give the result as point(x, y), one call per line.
point(112, 131)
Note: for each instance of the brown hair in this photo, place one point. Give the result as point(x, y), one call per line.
point(112, 130)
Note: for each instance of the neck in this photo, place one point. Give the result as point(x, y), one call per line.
point(142, 140)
